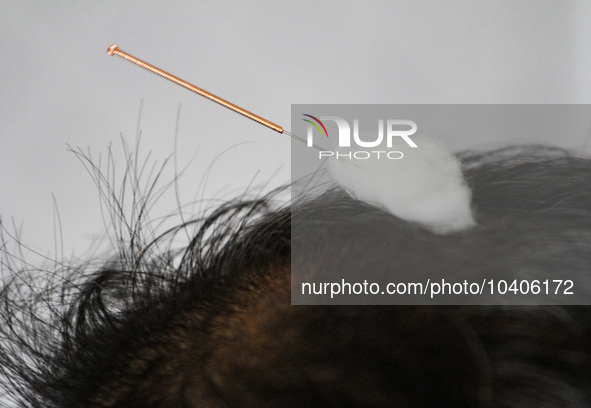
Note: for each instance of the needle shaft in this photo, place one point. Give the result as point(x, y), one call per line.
point(114, 50)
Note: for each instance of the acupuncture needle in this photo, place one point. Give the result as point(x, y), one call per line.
point(114, 50)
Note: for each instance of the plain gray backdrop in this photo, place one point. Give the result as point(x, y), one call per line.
point(59, 86)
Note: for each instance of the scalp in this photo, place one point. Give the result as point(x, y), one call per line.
point(213, 325)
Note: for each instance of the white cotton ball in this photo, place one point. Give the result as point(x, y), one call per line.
point(425, 186)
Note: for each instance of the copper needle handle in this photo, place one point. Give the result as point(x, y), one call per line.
point(113, 49)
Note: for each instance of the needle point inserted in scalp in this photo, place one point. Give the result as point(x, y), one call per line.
point(304, 141)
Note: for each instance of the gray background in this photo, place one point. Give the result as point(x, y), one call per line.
point(58, 85)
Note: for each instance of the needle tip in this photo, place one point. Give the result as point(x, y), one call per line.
point(112, 49)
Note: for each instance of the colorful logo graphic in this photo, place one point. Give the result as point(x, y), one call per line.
point(315, 125)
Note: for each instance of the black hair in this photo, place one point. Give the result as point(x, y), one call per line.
point(211, 325)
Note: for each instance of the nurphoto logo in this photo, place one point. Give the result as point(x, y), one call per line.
point(370, 145)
